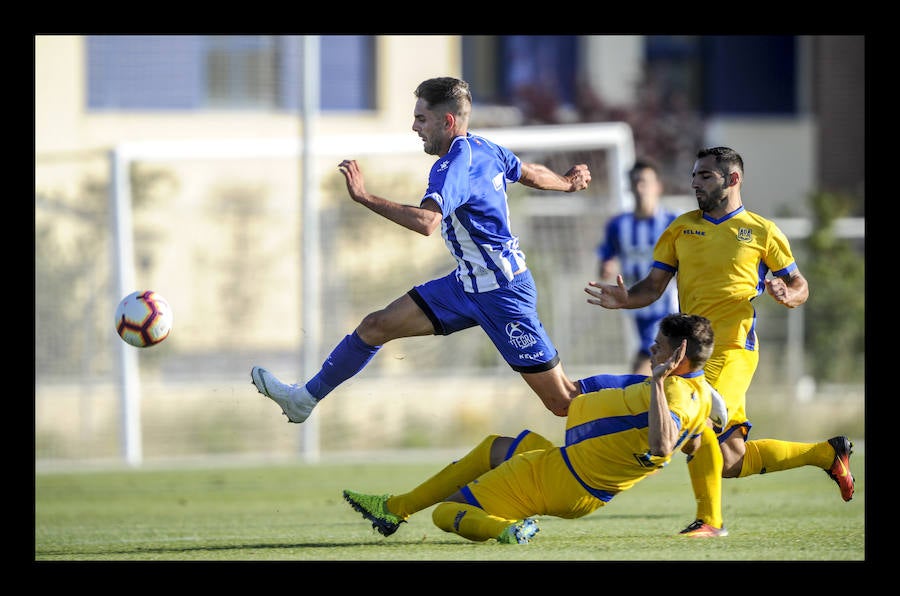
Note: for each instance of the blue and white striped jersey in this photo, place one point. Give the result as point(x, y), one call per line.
point(632, 240)
point(469, 184)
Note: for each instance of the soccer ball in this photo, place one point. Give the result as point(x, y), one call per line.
point(143, 319)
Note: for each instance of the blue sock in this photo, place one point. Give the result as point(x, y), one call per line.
point(598, 382)
point(346, 359)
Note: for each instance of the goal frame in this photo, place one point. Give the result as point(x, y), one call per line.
point(616, 138)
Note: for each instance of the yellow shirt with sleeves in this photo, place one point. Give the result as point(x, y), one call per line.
point(607, 444)
point(720, 266)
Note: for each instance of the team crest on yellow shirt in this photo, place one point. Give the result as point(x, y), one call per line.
point(744, 235)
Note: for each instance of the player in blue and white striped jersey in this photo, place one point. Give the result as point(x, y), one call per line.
point(491, 286)
point(628, 242)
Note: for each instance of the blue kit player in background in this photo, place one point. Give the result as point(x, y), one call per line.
point(628, 242)
point(491, 286)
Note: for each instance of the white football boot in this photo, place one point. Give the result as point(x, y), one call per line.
point(295, 401)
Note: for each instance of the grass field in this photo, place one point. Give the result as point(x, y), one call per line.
point(296, 513)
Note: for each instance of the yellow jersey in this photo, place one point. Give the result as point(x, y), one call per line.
point(721, 266)
point(607, 444)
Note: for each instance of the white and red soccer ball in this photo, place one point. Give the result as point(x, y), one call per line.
point(143, 318)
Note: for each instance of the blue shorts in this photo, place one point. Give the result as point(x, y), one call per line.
point(508, 315)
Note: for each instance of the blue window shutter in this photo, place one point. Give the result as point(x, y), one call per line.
point(290, 50)
point(144, 72)
point(347, 65)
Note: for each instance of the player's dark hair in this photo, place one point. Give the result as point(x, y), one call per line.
point(696, 330)
point(643, 164)
point(449, 93)
point(727, 159)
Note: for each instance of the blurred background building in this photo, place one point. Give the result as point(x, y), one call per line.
point(220, 233)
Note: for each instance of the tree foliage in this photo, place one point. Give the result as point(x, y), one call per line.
point(835, 311)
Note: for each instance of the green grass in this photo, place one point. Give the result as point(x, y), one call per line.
point(296, 513)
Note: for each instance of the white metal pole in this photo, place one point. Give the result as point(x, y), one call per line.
point(123, 284)
point(311, 319)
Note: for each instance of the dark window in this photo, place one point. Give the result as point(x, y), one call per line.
point(481, 68)
point(726, 74)
point(673, 66)
point(749, 74)
point(511, 69)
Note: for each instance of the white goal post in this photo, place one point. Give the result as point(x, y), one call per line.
point(615, 138)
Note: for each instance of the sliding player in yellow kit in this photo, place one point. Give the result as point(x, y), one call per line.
point(615, 437)
point(721, 253)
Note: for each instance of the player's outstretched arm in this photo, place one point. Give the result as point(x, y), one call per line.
point(424, 220)
point(641, 294)
point(608, 295)
point(541, 177)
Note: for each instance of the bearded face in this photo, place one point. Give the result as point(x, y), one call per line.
point(709, 199)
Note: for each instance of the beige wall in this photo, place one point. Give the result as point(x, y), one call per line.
point(63, 124)
point(404, 62)
point(59, 89)
point(613, 66)
point(780, 157)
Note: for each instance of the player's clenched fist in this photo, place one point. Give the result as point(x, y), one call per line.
point(579, 176)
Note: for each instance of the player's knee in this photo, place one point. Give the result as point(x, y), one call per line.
point(375, 328)
point(498, 447)
point(690, 446)
point(443, 516)
point(732, 469)
point(733, 451)
point(728, 473)
point(371, 322)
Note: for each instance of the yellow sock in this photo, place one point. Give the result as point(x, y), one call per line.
point(772, 455)
point(469, 521)
point(705, 468)
point(444, 483)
